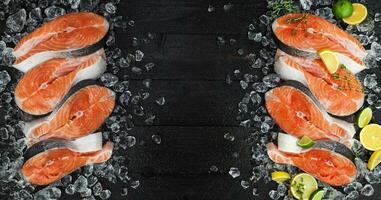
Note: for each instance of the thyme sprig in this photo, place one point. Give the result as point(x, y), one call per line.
point(282, 7)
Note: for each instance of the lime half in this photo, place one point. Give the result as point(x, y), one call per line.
point(364, 117)
point(317, 195)
point(303, 185)
point(306, 142)
point(280, 176)
point(342, 9)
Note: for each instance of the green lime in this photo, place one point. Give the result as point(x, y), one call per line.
point(342, 9)
point(306, 142)
point(363, 117)
point(317, 195)
point(303, 185)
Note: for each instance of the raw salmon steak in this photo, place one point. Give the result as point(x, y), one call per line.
point(82, 113)
point(53, 164)
point(331, 90)
point(43, 87)
point(305, 34)
point(327, 166)
point(298, 113)
point(73, 34)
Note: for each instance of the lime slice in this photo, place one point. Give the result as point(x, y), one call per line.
point(330, 60)
point(370, 137)
point(303, 185)
point(363, 118)
point(306, 142)
point(342, 9)
point(280, 176)
point(374, 159)
point(317, 195)
point(358, 15)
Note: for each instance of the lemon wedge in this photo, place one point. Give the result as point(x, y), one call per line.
point(280, 176)
point(370, 137)
point(374, 159)
point(330, 60)
point(358, 15)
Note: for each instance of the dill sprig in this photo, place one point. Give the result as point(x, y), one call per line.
point(281, 7)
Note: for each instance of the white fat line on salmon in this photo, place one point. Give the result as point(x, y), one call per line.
point(31, 43)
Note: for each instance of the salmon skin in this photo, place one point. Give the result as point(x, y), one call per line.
point(70, 35)
point(43, 87)
point(53, 164)
point(82, 113)
point(303, 34)
point(331, 90)
point(327, 166)
point(298, 113)
point(89, 143)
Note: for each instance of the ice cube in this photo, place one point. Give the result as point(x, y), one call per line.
point(135, 184)
point(88, 5)
point(131, 141)
point(306, 4)
point(88, 170)
point(243, 84)
point(260, 87)
point(110, 8)
point(213, 168)
point(282, 189)
point(86, 193)
point(54, 11)
point(352, 195)
point(139, 55)
point(377, 17)
point(124, 192)
point(257, 37)
point(16, 21)
point(109, 79)
point(245, 184)
point(273, 194)
point(80, 184)
point(7, 56)
point(367, 190)
point(228, 6)
point(265, 20)
point(325, 12)
point(160, 101)
point(228, 136)
point(366, 26)
point(271, 80)
point(156, 138)
point(136, 70)
point(48, 193)
point(370, 81)
point(234, 172)
point(97, 189)
point(371, 99)
point(211, 8)
point(105, 194)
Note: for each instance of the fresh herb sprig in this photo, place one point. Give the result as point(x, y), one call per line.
point(281, 7)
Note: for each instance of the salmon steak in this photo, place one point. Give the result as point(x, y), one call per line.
point(82, 113)
point(73, 34)
point(43, 87)
point(298, 113)
point(303, 34)
point(51, 165)
point(327, 166)
point(331, 90)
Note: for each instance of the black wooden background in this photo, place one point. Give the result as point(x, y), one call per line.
point(200, 107)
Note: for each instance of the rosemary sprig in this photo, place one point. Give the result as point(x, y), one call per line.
point(282, 7)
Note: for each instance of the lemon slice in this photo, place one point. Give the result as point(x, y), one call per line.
point(359, 14)
point(374, 159)
point(303, 185)
point(280, 176)
point(370, 137)
point(330, 60)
